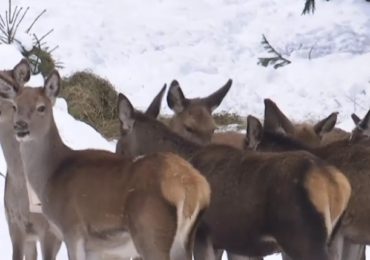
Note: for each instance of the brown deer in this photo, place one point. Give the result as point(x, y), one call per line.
point(350, 158)
point(260, 202)
point(193, 116)
point(98, 201)
point(314, 135)
point(25, 227)
point(153, 111)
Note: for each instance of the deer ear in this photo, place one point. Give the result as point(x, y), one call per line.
point(355, 119)
point(365, 123)
point(155, 107)
point(22, 72)
point(326, 125)
point(52, 86)
point(275, 120)
point(125, 113)
point(175, 98)
point(254, 132)
point(215, 99)
point(7, 91)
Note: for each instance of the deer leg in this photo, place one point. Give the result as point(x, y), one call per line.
point(30, 250)
point(285, 256)
point(353, 251)
point(75, 248)
point(50, 245)
point(304, 248)
point(18, 241)
point(203, 248)
point(94, 256)
point(336, 247)
point(152, 225)
point(219, 253)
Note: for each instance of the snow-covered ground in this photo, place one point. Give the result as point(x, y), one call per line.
point(139, 45)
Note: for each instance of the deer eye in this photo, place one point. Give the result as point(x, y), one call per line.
point(14, 108)
point(189, 129)
point(41, 109)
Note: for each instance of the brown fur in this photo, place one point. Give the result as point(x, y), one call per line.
point(352, 158)
point(193, 117)
point(272, 188)
point(313, 135)
point(94, 198)
point(329, 194)
point(231, 138)
point(25, 227)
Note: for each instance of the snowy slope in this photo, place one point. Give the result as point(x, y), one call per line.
point(141, 44)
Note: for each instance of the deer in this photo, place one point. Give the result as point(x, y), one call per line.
point(193, 116)
point(99, 202)
point(351, 158)
point(153, 111)
point(318, 134)
point(193, 120)
point(286, 197)
point(26, 226)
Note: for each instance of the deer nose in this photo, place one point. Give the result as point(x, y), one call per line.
point(21, 125)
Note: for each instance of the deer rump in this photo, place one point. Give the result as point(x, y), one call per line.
point(289, 200)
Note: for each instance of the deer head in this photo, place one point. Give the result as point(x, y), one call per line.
point(9, 80)
point(313, 135)
point(362, 128)
point(33, 109)
point(193, 117)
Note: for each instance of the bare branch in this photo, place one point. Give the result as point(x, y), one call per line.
point(16, 24)
point(53, 49)
point(46, 35)
point(35, 20)
point(2, 175)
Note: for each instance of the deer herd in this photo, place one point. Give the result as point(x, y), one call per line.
point(181, 191)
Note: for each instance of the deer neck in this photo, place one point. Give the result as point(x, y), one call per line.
point(159, 138)
point(10, 147)
point(41, 158)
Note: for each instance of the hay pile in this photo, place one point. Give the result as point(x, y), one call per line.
point(92, 100)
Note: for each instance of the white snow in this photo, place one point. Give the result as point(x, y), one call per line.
point(140, 45)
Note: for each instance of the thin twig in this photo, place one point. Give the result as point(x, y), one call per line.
point(46, 35)
point(34, 21)
point(2, 175)
point(355, 103)
point(16, 24)
point(310, 52)
point(53, 49)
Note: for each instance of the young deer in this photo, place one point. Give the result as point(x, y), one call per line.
point(352, 159)
point(100, 202)
point(25, 227)
point(260, 202)
point(153, 111)
point(193, 117)
point(314, 135)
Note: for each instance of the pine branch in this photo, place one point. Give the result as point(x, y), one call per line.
point(277, 60)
